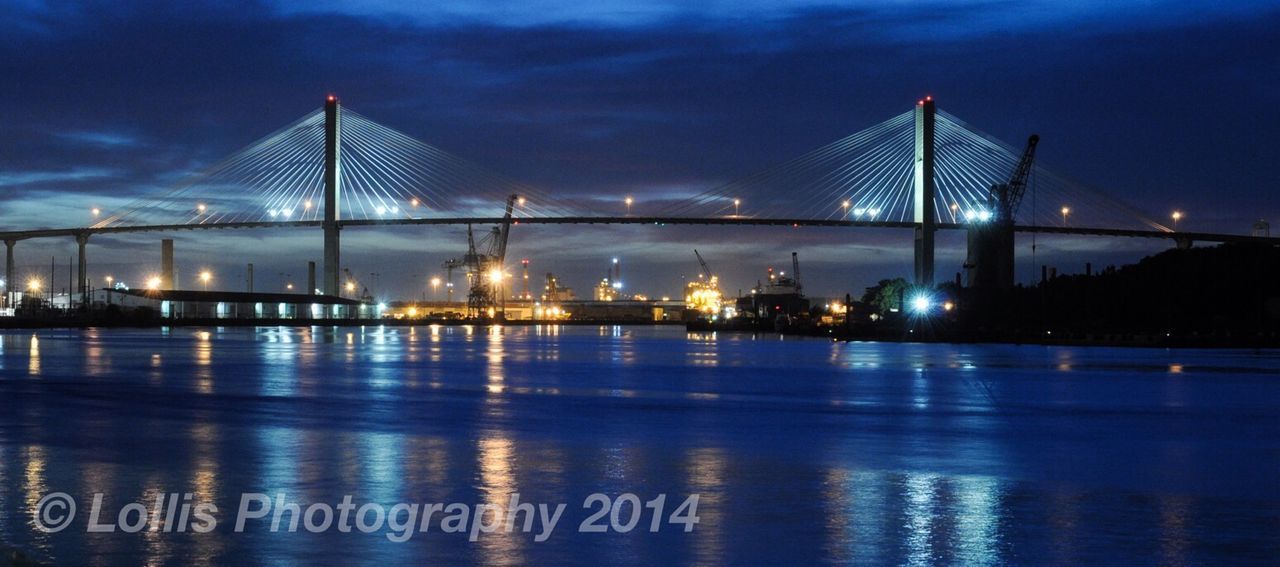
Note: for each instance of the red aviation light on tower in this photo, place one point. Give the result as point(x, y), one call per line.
point(332, 98)
point(928, 98)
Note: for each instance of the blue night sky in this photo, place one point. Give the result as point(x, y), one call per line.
point(1164, 104)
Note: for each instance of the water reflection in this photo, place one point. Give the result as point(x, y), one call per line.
point(1174, 510)
point(977, 520)
point(34, 487)
point(706, 472)
point(495, 355)
point(800, 450)
point(96, 362)
point(496, 456)
point(33, 356)
point(920, 495)
point(203, 364)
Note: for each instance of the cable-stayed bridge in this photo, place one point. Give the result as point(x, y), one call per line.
point(335, 169)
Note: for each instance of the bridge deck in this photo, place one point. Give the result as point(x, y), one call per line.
point(732, 221)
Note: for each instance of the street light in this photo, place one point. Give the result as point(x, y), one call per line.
point(736, 203)
point(1177, 215)
point(351, 287)
point(205, 276)
point(200, 207)
point(846, 208)
point(1065, 211)
point(628, 201)
point(96, 211)
point(153, 283)
point(33, 285)
point(921, 303)
point(435, 286)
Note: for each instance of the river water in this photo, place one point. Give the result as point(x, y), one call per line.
point(799, 451)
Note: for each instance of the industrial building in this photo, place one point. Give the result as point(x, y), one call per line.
point(521, 310)
point(189, 304)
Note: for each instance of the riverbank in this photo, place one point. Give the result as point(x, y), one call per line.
point(98, 322)
point(942, 333)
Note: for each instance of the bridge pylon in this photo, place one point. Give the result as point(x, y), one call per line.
point(925, 217)
point(9, 283)
point(332, 194)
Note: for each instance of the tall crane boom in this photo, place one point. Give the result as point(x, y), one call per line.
point(706, 270)
point(1009, 195)
point(506, 229)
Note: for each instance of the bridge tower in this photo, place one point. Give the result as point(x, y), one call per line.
point(926, 219)
point(332, 194)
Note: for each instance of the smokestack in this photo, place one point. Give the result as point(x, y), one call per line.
point(525, 292)
point(250, 279)
point(311, 278)
point(166, 264)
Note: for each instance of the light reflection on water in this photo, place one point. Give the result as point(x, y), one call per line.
point(801, 450)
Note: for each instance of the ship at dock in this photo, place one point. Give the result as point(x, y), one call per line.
point(778, 301)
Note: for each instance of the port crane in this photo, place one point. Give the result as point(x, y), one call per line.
point(990, 262)
point(1008, 195)
point(706, 270)
point(483, 264)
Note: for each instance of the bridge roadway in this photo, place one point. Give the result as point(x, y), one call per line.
point(1181, 237)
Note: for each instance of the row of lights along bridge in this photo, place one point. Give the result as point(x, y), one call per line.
point(971, 215)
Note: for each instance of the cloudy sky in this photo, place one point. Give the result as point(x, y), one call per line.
point(1164, 104)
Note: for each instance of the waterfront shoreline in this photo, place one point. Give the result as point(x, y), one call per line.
point(1118, 339)
point(193, 322)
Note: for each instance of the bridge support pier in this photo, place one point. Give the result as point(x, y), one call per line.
point(925, 214)
point(8, 272)
point(166, 264)
point(332, 195)
point(82, 267)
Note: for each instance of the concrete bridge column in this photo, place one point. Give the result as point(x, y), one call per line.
point(8, 272)
point(332, 194)
point(925, 214)
point(82, 270)
point(166, 264)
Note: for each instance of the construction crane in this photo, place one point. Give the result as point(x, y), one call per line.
point(990, 261)
point(703, 295)
point(706, 270)
point(1007, 196)
point(484, 263)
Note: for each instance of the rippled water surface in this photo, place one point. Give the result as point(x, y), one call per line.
point(801, 450)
